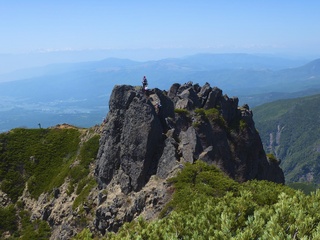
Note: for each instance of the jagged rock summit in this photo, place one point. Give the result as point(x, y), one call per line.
point(155, 132)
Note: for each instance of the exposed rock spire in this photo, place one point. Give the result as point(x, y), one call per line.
point(144, 135)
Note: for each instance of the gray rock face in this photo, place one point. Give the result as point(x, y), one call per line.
point(144, 137)
point(136, 143)
point(189, 145)
point(168, 160)
point(132, 139)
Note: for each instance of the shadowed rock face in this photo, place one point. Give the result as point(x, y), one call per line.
point(142, 138)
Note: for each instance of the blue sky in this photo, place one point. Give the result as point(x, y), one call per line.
point(252, 26)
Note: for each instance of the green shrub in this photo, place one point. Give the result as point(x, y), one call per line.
point(265, 192)
point(84, 192)
point(199, 117)
point(272, 158)
point(198, 179)
point(85, 234)
point(242, 125)
point(79, 173)
point(212, 114)
point(253, 210)
point(196, 124)
point(37, 229)
point(199, 111)
point(8, 219)
point(89, 150)
point(181, 111)
point(215, 116)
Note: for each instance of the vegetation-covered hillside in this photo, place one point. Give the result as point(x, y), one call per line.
point(208, 205)
point(41, 160)
point(290, 130)
point(205, 202)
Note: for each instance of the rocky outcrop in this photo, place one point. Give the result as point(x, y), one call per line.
point(4, 199)
point(132, 139)
point(149, 135)
point(115, 207)
point(57, 211)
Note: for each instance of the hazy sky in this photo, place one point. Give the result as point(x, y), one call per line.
point(252, 26)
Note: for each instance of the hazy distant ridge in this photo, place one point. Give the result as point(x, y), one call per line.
point(83, 88)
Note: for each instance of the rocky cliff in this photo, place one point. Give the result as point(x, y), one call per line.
point(148, 136)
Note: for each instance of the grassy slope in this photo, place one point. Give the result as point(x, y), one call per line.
point(43, 158)
point(36, 156)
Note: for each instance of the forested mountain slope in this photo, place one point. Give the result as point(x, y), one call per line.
point(290, 130)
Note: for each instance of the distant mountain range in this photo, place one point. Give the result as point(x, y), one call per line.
point(80, 91)
point(290, 130)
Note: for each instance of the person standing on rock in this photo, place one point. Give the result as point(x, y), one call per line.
point(144, 83)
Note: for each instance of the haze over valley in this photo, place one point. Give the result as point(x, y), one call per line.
point(60, 61)
point(78, 93)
